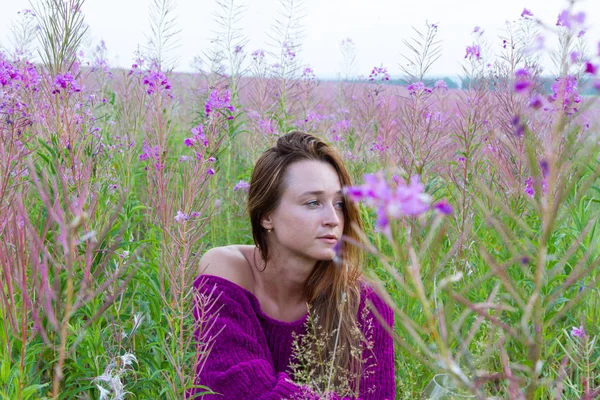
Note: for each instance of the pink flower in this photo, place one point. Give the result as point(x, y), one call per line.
point(526, 14)
point(536, 102)
point(443, 207)
point(440, 85)
point(473, 52)
point(218, 101)
point(417, 88)
point(578, 332)
point(591, 68)
point(181, 217)
point(524, 81)
point(391, 202)
point(379, 74)
point(241, 185)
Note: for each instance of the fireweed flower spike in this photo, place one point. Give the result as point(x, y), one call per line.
point(440, 85)
point(379, 74)
point(523, 80)
point(573, 22)
point(218, 101)
point(526, 14)
point(65, 83)
point(473, 52)
point(566, 94)
point(418, 88)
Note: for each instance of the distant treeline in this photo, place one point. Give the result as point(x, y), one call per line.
point(460, 83)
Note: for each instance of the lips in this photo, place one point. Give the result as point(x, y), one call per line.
point(328, 237)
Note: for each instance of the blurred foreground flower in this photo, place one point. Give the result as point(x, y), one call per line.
point(394, 201)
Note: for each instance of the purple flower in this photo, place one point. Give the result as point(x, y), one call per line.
point(440, 85)
point(66, 81)
point(217, 102)
point(590, 68)
point(570, 21)
point(526, 14)
point(241, 185)
point(267, 126)
point(238, 49)
point(545, 168)
point(379, 145)
point(156, 82)
point(390, 202)
point(529, 187)
point(308, 74)
point(565, 92)
point(199, 137)
point(524, 81)
point(288, 50)
point(574, 56)
point(150, 152)
point(210, 171)
point(443, 207)
point(379, 74)
point(518, 125)
point(181, 217)
point(473, 52)
point(417, 88)
point(258, 55)
point(578, 332)
point(536, 102)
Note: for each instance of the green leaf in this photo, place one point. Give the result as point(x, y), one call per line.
point(31, 390)
point(4, 371)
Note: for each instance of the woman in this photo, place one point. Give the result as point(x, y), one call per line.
point(298, 216)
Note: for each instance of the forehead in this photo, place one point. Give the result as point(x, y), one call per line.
point(311, 175)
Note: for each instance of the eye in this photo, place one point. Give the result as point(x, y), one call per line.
point(312, 203)
point(339, 205)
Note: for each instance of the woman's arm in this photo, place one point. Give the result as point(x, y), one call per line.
point(238, 365)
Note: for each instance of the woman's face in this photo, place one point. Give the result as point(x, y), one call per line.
point(309, 220)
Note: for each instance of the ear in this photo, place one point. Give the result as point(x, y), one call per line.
point(267, 222)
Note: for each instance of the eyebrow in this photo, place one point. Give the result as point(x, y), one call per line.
point(317, 192)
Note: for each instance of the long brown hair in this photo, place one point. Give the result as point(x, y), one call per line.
point(333, 287)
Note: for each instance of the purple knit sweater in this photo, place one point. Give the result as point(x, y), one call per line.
point(252, 352)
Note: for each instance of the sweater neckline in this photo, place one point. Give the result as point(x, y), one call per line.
point(253, 299)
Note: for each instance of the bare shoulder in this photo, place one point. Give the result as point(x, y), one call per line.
point(228, 262)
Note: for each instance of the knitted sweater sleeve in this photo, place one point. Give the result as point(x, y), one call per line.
point(238, 365)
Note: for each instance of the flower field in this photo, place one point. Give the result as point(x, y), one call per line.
point(480, 203)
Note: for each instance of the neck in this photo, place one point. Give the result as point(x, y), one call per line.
point(284, 278)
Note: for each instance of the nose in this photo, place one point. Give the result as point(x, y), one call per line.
point(332, 216)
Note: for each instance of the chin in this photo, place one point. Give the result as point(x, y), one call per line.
point(326, 256)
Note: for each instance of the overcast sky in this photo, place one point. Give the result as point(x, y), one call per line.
point(377, 27)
